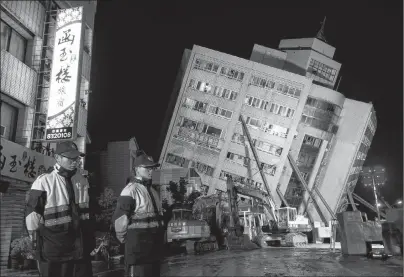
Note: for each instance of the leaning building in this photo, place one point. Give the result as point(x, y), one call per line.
point(288, 99)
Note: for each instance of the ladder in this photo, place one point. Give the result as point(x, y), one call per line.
point(43, 64)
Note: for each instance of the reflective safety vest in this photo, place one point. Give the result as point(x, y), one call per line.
point(138, 221)
point(136, 210)
point(55, 207)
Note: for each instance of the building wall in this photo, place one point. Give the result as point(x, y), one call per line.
point(116, 165)
point(353, 122)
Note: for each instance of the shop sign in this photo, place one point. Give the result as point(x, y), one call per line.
point(21, 163)
point(64, 94)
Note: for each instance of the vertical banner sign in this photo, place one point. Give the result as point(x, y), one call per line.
point(61, 122)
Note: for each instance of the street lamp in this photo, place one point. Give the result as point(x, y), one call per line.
point(374, 176)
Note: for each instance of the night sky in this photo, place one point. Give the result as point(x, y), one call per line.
point(138, 48)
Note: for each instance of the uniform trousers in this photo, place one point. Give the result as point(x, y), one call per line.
point(78, 268)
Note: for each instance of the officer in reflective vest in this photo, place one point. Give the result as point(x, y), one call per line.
point(58, 218)
point(138, 220)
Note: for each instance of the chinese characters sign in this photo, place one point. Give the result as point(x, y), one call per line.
point(21, 163)
point(65, 78)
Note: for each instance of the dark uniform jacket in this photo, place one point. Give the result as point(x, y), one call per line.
point(58, 211)
point(139, 223)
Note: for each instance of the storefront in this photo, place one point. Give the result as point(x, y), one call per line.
point(19, 167)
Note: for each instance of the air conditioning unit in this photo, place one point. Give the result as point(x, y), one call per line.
point(2, 130)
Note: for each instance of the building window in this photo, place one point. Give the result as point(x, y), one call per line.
point(13, 42)
point(177, 160)
point(281, 110)
point(195, 105)
point(9, 116)
point(321, 71)
point(256, 102)
point(202, 168)
point(289, 90)
point(260, 145)
point(246, 162)
point(220, 112)
point(241, 180)
point(232, 73)
point(312, 141)
point(214, 90)
point(206, 66)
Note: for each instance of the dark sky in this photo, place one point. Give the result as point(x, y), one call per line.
point(139, 44)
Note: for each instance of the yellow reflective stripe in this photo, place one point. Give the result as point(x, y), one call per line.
point(143, 225)
point(56, 209)
point(57, 221)
point(84, 205)
point(85, 216)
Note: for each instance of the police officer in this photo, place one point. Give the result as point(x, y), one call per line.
point(138, 220)
point(58, 218)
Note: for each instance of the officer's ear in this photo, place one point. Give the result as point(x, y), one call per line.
point(58, 158)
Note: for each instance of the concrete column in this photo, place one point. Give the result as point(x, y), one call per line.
point(313, 175)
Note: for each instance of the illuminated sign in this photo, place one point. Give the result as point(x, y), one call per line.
point(61, 122)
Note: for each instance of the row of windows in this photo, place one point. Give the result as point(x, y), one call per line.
point(264, 105)
point(214, 90)
point(271, 129)
point(260, 145)
point(361, 156)
point(280, 87)
point(224, 71)
point(199, 133)
point(200, 127)
point(256, 102)
point(366, 141)
point(372, 127)
point(204, 107)
point(320, 114)
point(245, 161)
point(306, 160)
point(241, 180)
point(312, 141)
point(355, 169)
point(183, 162)
point(232, 73)
point(323, 105)
point(206, 66)
point(319, 124)
point(202, 168)
point(322, 71)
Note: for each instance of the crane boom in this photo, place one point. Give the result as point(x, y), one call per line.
point(259, 165)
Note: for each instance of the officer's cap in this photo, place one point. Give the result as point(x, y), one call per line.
point(68, 149)
point(143, 160)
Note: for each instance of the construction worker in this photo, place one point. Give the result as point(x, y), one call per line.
point(138, 220)
point(58, 219)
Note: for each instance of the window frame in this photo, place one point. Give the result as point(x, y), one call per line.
point(10, 33)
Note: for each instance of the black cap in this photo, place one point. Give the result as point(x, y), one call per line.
point(143, 160)
point(68, 149)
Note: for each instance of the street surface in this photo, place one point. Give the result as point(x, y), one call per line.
point(267, 262)
point(280, 262)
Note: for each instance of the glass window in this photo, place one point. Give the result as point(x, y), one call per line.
point(13, 42)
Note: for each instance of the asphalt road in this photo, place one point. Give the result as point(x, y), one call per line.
point(269, 262)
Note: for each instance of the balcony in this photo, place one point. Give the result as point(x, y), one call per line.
point(199, 138)
point(17, 79)
point(29, 13)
